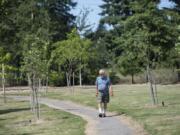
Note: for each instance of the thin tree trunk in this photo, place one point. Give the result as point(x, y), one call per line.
point(132, 78)
point(31, 93)
point(178, 72)
point(73, 82)
point(80, 77)
point(36, 88)
point(38, 98)
point(46, 87)
point(33, 86)
point(3, 83)
point(150, 85)
point(70, 79)
point(155, 90)
point(33, 101)
point(67, 79)
point(37, 104)
point(39, 85)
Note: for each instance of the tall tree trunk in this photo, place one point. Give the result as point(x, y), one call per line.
point(31, 93)
point(3, 83)
point(80, 77)
point(36, 96)
point(178, 72)
point(150, 85)
point(39, 84)
point(70, 79)
point(46, 87)
point(155, 90)
point(37, 103)
point(179, 77)
point(73, 82)
point(67, 79)
point(132, 78)
point(34, 82)
point(33, 101)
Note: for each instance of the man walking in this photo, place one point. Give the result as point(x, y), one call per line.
point(103, 88)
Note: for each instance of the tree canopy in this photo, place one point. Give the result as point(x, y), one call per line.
point(131, 35)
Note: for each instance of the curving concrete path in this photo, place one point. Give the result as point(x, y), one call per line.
point(109, 125)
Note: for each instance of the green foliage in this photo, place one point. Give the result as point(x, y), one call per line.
point(114, 11)
point(144, 33)
point(61, 20)
point(139, 33)
point(114, 78)
point(4, 57)
point(56, 78)
point(178, 43)
point(103, 49)
point(47, 20)
point(69, 53)
point(34, 60)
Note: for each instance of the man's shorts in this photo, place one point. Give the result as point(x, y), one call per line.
point(103, 97)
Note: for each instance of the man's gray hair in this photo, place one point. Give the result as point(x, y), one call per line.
point(102, 72)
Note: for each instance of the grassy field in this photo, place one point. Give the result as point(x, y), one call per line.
point(134, 101)
point(16, 119)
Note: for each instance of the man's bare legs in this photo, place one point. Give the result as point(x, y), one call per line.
point(102, 109)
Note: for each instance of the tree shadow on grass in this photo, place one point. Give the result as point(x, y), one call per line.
point(31, 133)
point(13, 110)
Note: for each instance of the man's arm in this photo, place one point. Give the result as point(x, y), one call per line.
point(111, 90)
point(96, 88)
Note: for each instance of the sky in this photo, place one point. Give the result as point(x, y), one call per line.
point(93, 5)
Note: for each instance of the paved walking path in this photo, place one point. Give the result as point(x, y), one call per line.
point(109, 125)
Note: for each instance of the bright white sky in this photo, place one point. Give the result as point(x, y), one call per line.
point(94, 16)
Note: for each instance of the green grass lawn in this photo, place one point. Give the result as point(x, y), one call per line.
point(16, 119)
point(134, 101)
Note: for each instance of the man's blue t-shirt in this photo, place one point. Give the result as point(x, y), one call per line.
point(103, 83)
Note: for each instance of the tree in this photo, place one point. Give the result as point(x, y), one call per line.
point(129, 65)
point(70, 53)
point(145, 34)
point(115, 11)
point(34, 38)
point(178, 42)
point(61, 20)
point(4, 59)
point(34, 65)
point(16, 22)
point(8, 29)
point(83, 26)
point(83, 29)
point(176, 55)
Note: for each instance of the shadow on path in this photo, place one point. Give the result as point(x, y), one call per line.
point(114, 115)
